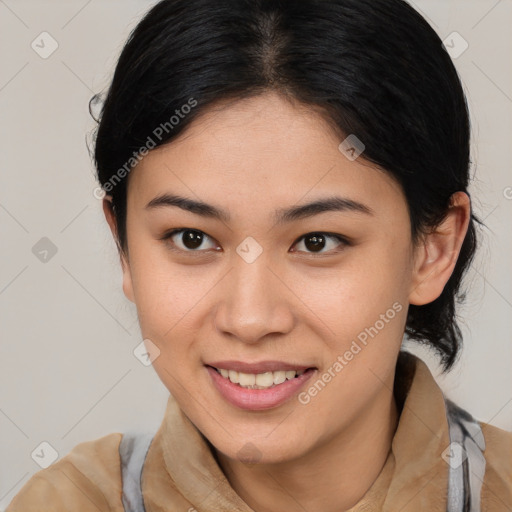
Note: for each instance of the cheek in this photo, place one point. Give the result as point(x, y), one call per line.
point(354, 295)
point(174, 308)
point(162, 291)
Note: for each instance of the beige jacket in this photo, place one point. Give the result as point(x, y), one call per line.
point(181, 474)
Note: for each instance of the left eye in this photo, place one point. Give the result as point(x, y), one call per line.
point(316, 242)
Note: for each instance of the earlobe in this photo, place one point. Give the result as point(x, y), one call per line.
point(125, 265)
point(437, 254)
point(127, 283)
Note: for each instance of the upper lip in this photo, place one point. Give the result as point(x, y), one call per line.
point(260, 367)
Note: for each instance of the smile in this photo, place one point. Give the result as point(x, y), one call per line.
point(259, 380)
point(270, 384)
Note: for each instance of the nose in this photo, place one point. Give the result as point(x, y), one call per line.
point(254, 302)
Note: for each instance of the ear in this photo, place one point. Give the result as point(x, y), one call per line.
point(108, 210)
point(436, 255)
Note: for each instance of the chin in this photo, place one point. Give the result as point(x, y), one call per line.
point(258, 450)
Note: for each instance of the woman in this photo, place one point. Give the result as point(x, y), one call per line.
point(287, 183)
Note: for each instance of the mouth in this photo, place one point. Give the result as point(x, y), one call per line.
point(267, 386)
point(265, 380)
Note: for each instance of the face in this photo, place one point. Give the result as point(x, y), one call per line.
point(324, 290)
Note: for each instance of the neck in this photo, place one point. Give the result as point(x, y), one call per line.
point(332, 477)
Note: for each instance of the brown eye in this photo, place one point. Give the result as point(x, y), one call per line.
point(317, 242)
point(188, 240)
point(192, 239)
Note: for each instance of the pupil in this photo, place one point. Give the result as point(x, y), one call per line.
point(192, 239)
point(314, 242)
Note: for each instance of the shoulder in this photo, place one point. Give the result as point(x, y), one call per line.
point(87, 478)
point(497, 484)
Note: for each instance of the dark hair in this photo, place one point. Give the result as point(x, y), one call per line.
point(374, 68)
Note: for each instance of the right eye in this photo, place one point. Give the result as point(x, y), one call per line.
point(187, 240)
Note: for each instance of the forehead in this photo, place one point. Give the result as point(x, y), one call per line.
point(259, 152)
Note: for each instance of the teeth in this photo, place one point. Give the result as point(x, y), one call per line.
point(260, 380)
point(279, 377)
point(246, 379)
point(265, 379)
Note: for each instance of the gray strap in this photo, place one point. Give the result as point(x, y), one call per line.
point(133, 449)
point(467, 467)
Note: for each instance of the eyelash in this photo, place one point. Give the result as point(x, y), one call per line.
point(167, 236)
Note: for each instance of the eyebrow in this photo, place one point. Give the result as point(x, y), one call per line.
point(281, 215)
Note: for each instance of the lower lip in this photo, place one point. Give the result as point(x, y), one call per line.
point(258, 399)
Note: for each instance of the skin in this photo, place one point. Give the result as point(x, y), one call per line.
point(250, 158)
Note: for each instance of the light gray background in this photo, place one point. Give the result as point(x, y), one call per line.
point(67, 371)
